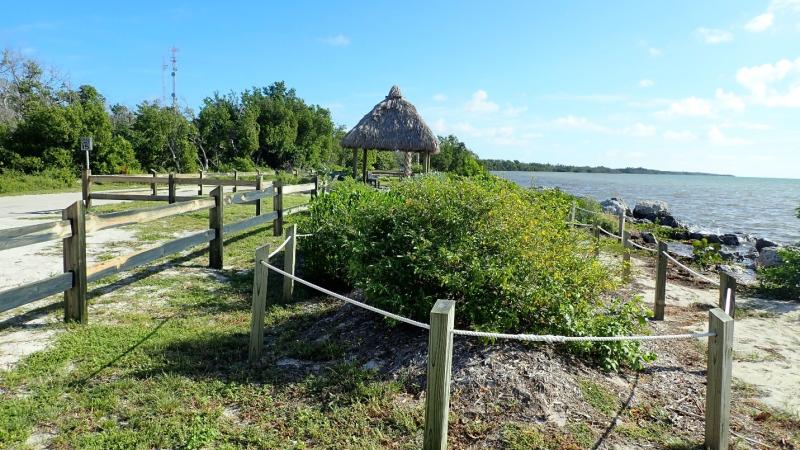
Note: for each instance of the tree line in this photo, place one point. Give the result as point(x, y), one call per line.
point(42, 120)
point(515, 165)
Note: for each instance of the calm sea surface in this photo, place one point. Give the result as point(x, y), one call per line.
point(764, 207)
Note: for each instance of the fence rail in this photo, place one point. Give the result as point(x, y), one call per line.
point(77, 223)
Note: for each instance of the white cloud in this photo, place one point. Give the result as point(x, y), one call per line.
point(679, 136)
point(640, 130)
point(714, 36)
point(717, 137)
point(730, 100)
point(512, 111)
point(760, 22)
point(690, 107)
point(439, 97)
point(480, 103)
point(654, 52)
point(773, 85)
point(338, 40)
point(646, 83)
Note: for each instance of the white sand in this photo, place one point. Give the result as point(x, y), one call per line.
point(767, 349)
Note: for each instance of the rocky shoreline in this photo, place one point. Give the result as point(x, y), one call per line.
point(743, 254)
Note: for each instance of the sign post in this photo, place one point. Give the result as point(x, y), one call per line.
point(86, 146)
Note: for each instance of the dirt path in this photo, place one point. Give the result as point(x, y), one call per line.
point(766, 335)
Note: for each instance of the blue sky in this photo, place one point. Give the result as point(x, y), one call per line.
point(679, 85)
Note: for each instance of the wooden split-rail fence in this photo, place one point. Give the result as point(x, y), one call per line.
point(76, 223)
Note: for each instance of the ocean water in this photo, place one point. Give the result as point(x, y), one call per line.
point(764, 207)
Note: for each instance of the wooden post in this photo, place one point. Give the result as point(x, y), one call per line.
point(316, 186)
point(572, 213)
point(258, 308)
point(171, 196)
point(440, 364)
point(626, 237)
point(622, 225)
point(289, 253)
point(153, 185)
point(200, 186)
point(626, 255)
point(661, 283)
point(215, 222)
point(235, 178)
point(86, 183)
point(364, 166)
point(596, 232)
point(718, 383)
point(259, 187)
point(355, 163)
point(75, 307)
point(277, 206)
point(727, 281)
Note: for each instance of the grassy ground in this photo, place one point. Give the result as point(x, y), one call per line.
point(163, 364)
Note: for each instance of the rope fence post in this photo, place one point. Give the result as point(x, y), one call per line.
point(316, 186)
point(289, 253)
point(200, 186)
point(86, 183)
point(171, 195)
point(75, 306)
point(622, 225)
point(572, 213)
point(718, 385)
point(661, 282)
point(440, 363)
point(153, 188)
point(727, 281)
point(596, 232)
point(626, 255)
point(277, 206)
point(259, 187)
point(235, 178)
point(259, 306)
point(215, 222)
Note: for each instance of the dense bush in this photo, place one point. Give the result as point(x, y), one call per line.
point(783, 281)
point(504, 253)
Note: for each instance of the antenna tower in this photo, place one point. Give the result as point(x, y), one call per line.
point(174, 71)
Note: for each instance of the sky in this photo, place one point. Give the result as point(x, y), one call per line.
point(709, 86)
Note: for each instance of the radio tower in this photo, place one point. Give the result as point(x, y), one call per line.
point(164, 67)
point(174, 70)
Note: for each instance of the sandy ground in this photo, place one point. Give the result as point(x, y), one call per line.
point(35, 262)
point(766, 338)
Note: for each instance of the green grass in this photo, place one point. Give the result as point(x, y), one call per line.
point(599, 397)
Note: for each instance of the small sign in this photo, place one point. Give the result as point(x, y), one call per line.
point(86, 144)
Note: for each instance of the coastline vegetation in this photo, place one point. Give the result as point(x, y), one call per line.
point(515, 165)
point(504, 253)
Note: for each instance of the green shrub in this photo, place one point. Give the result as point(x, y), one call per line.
point(705, 253)
point(504, 253)
point(13, 181)
point(782, 281)
point(597, 216)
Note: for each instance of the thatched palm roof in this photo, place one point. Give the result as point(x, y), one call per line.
point(393, 124)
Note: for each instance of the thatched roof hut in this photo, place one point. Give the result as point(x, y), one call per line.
point(394, 125)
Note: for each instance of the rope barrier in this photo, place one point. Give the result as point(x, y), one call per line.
point(349, 300)
point(704, 278)
point(557, 339)
point(523, 337)
point(728, 294)
point(304, 235)
point(642, 246)
point(609, 234)
point(589, 211)
point(280, 247)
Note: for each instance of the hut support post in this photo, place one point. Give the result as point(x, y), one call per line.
point(355, 163)
point(364, 166)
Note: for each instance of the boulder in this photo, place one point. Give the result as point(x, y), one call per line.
point(680, 235)
point(650, 210)
point(729, 239)
point(768, 257)
point(648, 237)
point(763, 243)
point(615, 206)
point(669, 221)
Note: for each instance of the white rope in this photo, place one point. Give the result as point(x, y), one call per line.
point(610, 234)
point(709, 280)
point(578, 224)
point(728, 294)
point(280, 247)
point(641, 246)
point(555, 339)
point(349, 300)
point(589, 211)
point(304, 235)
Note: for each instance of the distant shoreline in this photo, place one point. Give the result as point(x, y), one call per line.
point(502, 165)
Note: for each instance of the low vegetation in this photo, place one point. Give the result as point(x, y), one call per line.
point(504, 253)
point(783, 280)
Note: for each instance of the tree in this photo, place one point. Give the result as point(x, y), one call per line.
point(162, 139)
point(455, 157)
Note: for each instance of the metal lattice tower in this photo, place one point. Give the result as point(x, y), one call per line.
point(174, 71)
